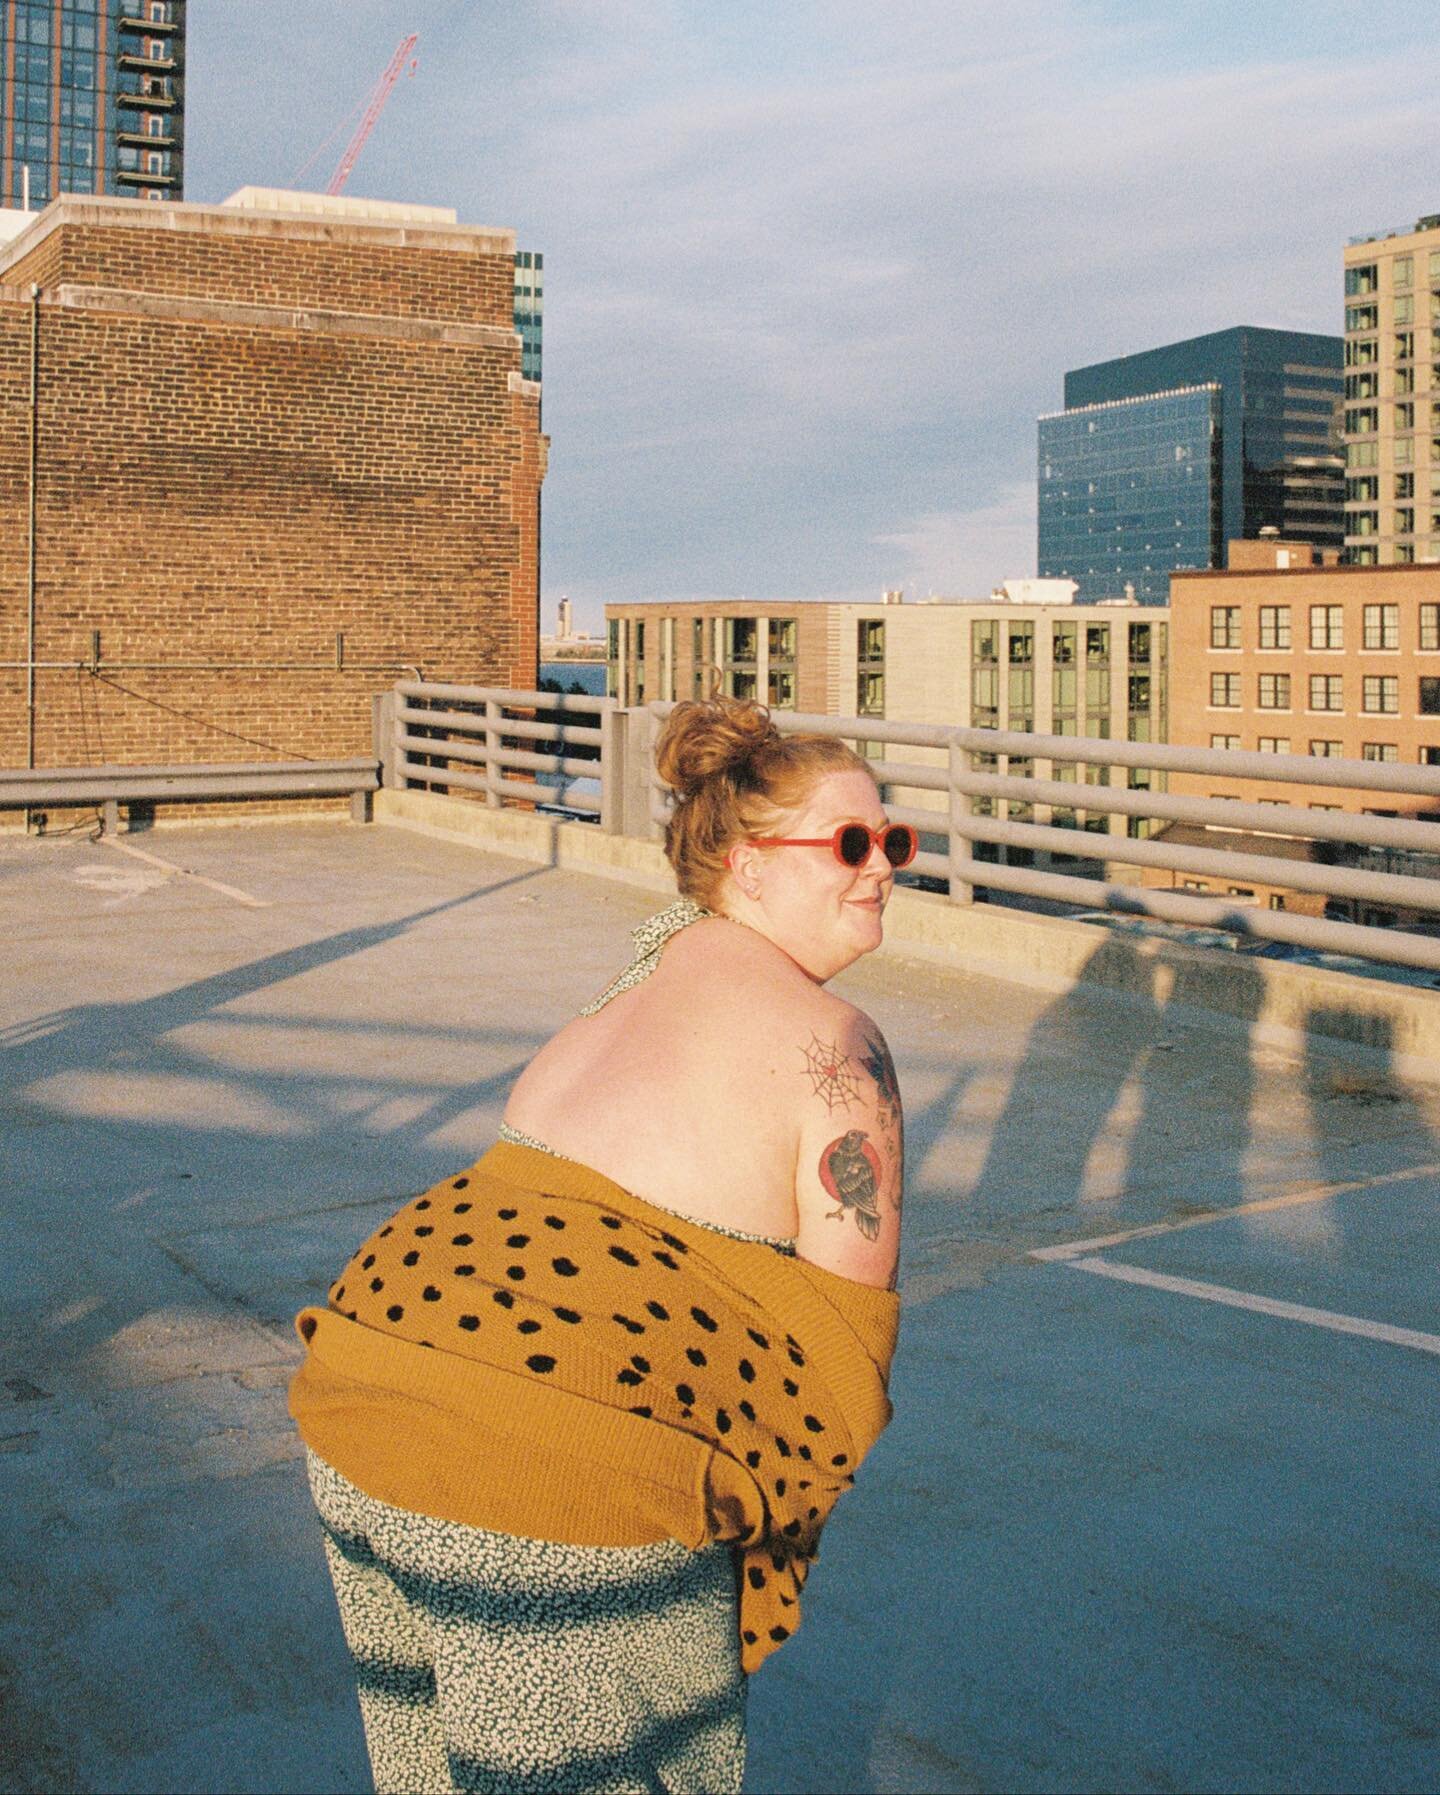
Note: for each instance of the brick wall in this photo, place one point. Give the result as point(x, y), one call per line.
point(248, 444)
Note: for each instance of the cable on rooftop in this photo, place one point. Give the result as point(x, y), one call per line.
point(204, 722)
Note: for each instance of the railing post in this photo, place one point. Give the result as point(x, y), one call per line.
point(612, 770)
point(639, 729)
point(492, 748)
point(961, 848)
point(398, 752)
point(383, 730)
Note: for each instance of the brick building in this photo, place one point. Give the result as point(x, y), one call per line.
point(1291, 653)
point(278, 458)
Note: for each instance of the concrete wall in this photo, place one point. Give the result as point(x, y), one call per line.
point(1276, 1001)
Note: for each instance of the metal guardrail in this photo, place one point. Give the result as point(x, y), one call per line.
point(473, 738)
point(959, 827)
point(108, 787)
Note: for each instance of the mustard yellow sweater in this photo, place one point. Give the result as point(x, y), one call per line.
point(530, 1349)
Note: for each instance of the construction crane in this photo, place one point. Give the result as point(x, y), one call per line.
point(374, 106)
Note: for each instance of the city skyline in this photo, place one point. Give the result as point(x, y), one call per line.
point(813, 279)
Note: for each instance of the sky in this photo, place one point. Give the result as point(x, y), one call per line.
point(814, 267)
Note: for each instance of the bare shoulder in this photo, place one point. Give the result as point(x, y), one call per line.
point(850, 1163)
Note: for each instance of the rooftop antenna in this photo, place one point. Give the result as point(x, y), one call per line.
point(380, 93)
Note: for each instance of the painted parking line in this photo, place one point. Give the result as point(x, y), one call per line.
point(183, 872)
point(1262, 1305)
point(1315, 1193)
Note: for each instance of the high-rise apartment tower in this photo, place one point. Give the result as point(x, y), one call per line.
point(1392, 396)
point(92, 99)
point(1159, 459)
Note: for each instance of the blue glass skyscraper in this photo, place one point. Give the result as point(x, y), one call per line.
point(92, 99)
point(1159, 459)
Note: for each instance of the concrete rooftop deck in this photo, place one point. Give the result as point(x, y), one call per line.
point(1119, 1536)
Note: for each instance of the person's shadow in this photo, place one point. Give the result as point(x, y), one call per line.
point(1131, 1105)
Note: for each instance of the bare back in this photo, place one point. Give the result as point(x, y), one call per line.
point(711, 1087)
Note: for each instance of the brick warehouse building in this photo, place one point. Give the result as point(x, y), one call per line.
point(278, 459)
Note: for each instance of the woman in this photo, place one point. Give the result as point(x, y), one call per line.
point(577, 1415)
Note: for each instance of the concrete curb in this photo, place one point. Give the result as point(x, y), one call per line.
point(1276, 1002)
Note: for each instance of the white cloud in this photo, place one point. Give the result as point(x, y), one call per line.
point(966, 553)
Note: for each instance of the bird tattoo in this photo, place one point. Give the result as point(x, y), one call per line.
point(850, 1171)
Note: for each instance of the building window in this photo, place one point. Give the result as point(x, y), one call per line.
point(1382, 626)
point(1380, 693)
point(1139, 643)
point(985, 642)
point(1361, 279)
point(1139, 693)
point(1430, 757)
point(1430, 697)
point(1274, 691)
point(1404, 486)
point(1064, 645)
point(1326, 750)
point(1274, 626)
point(155, 48)
point(739, 666)
point(1327, 626)
point(1097, 644)
point(1022, 644)
point(154, 162)
point(782, 689)
point(870, 667)
point(154, 124)
point(1379, 751)
point(1327, 692)
point(1224, 626)
point(1224, 741)
point(1274, 744)
point(1225, 691)
point(1402, 272)
point(1404, 309)
point(1430, 626)
point(1362, 317)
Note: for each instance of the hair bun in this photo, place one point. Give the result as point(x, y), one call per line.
point(703, 740)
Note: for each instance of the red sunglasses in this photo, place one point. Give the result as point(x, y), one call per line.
point(852, 842)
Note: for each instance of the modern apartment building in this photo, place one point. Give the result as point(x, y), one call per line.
point(1160, 458)
point(1392, 396)
point(1047, 668)
point(1288, 652)
point(92, 99)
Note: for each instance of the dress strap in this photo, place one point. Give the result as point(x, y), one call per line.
point(649, 938)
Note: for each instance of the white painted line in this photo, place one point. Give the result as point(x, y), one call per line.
point(1263, 1305)
point(183, 872)
point(1317, 1193)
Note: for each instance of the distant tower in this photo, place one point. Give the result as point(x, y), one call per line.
point(563, 629)
point(92, 98)
point(529, 308)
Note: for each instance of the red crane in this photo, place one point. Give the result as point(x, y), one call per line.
point(373, 108)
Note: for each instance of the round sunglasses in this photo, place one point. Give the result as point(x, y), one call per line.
point(852, 842)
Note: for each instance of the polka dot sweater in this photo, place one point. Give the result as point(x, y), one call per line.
point(530, 1349)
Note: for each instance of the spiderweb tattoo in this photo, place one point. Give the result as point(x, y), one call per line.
point(830, 1074)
